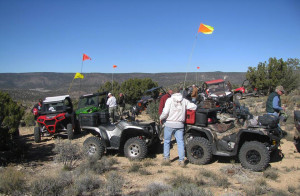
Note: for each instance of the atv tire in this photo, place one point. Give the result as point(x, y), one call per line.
point(94, 147)
point(77, 129)
point(254, 156)
point(37, 135)
point(199, 151)
point(135, 148)
point(70, 131)
point(238, 96)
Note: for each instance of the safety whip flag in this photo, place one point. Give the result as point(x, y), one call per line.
point(205, 29)
point(78, 75)
point(85, 57)
point(114, 66)
point(198, 67)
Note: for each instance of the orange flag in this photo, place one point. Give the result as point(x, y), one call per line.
point(198, 67)
point(205, 29)
point(114, 66)
point(85, 57)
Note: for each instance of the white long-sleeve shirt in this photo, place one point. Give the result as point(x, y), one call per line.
point(175, 110)
point(111, 102)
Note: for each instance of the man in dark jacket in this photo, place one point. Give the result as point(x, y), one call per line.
point(121, 104)
point(273, 105)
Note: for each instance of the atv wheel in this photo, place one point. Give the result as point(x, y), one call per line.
point(70, 131)
point(199, 151)
point(77, 129)
point(238, 96)
point(135, 148)
point(254, 156)
point(94, 147)
point(37, 135)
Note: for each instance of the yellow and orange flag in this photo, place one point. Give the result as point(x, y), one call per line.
point(79, 75)
point(205, 29)
point(114, 66)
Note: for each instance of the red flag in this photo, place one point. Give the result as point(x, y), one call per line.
point(85, 57)
point(114, 66)
point(198, 67)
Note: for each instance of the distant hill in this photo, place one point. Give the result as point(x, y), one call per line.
point(51, 84)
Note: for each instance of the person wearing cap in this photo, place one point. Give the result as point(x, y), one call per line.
point(273, 105)
point(112, 107)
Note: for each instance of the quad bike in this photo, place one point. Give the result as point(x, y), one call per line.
point(149, 95)
point(133, 138)
point(251, 140)
point(56, 115)
point(297, 125)
point(243, 91)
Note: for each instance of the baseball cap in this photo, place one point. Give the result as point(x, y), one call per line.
point(108, 94)
point(280, 88)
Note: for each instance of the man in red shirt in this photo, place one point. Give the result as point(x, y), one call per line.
point(163, 100)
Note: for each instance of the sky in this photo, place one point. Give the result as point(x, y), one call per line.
point(145, 36)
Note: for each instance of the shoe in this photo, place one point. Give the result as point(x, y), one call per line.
point(181, 163)
point(166, 160)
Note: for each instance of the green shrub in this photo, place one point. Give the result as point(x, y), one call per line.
point(51, 185)
point(154, 189)
point(187, 189)
point(67, 152)
point(29, 119)
point(10, 115)
point(152, 110)
point(12, 181)
point(97, 166)
point(177, 180)
point(271, 174)
point(86, 183)
point(114, 183)
point(135, 167)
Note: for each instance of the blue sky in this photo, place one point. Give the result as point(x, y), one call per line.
point(145, 36)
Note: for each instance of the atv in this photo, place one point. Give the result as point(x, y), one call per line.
point(244, 91)
point(56, 115)
point(148, 96)
point(240, 135)
point(133, 138)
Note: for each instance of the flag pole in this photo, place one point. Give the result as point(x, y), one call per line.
point(71, 85)
point(190, 59)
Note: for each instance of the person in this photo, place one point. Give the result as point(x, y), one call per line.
point(36, 108)
point(174, 113)
point(121, 104)
point(163, 100)
point(194, 93)
point(273, 104)
point(112, 107)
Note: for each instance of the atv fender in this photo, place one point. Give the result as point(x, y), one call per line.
point(200, 131)
point(98, 131)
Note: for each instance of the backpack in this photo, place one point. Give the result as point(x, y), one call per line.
point(268, 120)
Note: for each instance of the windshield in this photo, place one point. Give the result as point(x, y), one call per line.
point(53, 107)
point(216, 87)
point(96, 101)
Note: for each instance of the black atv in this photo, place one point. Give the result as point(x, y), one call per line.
point(133, 138)
point(251, 140)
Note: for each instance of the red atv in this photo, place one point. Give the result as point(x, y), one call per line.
point(55, 116)
point(243, 91)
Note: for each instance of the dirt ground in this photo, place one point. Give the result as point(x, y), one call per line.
point(39, 159)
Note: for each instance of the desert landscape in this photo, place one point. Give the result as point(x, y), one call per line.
point(44, 172)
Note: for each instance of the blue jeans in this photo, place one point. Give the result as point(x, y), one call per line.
point(178, 132)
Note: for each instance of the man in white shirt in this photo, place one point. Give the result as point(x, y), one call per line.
point(112, 107)
point(174, 113)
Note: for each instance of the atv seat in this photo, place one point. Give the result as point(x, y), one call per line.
point(221, 127)
point(108, 127)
